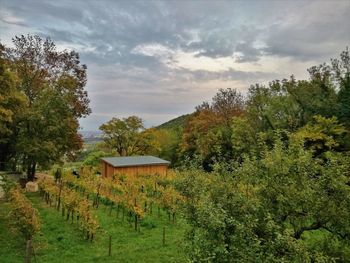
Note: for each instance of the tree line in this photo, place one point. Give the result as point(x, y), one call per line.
point(233, 125)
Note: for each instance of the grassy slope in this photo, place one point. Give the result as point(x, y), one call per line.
point(175, 123)
point(60, 241)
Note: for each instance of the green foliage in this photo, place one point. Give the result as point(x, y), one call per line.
point(261, 211)
point(124, 135)
point(43, 128)
point(207, 133)
point(164, 143)
point(323, 134)
point(341, 69)
point(94, 158)
point(12, 103)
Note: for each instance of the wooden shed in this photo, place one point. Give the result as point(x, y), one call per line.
point(133, 165)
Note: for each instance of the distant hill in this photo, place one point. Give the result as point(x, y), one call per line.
point(175, 123)
point(91, 136)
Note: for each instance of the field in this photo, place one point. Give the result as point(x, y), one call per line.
point(62, 241)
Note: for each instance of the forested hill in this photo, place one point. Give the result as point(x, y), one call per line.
point(175, 123)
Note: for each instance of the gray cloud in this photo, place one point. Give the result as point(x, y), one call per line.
point(314, 31)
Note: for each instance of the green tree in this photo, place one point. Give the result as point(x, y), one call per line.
point(12, 103)
point(207, 133)
point(94, 158)
point(270, 209)
point(341, 72)
point(125, 135)
point(53, 85)
point(170, 144)
point(322, 135)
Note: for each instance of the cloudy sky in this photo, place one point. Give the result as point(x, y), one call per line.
point(159, 59)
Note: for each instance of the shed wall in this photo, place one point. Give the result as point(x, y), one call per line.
point(108, 170)
point(135, 170)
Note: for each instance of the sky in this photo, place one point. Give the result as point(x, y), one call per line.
point(159, 59)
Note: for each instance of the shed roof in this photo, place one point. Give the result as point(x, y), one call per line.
point(134, 161)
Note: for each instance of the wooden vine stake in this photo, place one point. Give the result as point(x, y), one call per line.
point(59, 197)
point(110, 246)
point(28, 256)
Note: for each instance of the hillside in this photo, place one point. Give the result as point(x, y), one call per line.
point(175, 123)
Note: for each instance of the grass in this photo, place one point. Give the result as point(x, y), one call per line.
point(62, 241)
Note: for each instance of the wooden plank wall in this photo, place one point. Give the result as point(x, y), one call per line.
point(109, 170)
point(149, 169)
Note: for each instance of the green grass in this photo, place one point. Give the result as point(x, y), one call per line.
point(60, 241)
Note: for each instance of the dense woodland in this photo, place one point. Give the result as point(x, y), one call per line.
point(265, 175)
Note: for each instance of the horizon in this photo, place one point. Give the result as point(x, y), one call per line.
point(158, 60)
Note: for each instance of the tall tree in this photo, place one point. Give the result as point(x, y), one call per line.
point(207, 133)
point(341, 71)
point(53, 84)
point(12, 103)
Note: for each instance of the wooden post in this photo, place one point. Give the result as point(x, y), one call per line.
point(139, 226)
point(163, 236)
point(28, 255)
point(110, 209)
point(110, 246)
point(118, 207)
point(59, 198)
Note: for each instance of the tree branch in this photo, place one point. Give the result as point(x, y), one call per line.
point(297, 234)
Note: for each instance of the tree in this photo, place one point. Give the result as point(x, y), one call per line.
point(52, 83)
point(228, 103)
point(47, 132)
point(125, 135)
point(341, 72)
point(12, 104)
point(269, 209)
point(322, 135)
point(166, 143)
point(207, 133)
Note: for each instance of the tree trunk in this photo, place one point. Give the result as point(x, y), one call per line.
point(31, 171)
point(28, 254)
point(136, 219)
